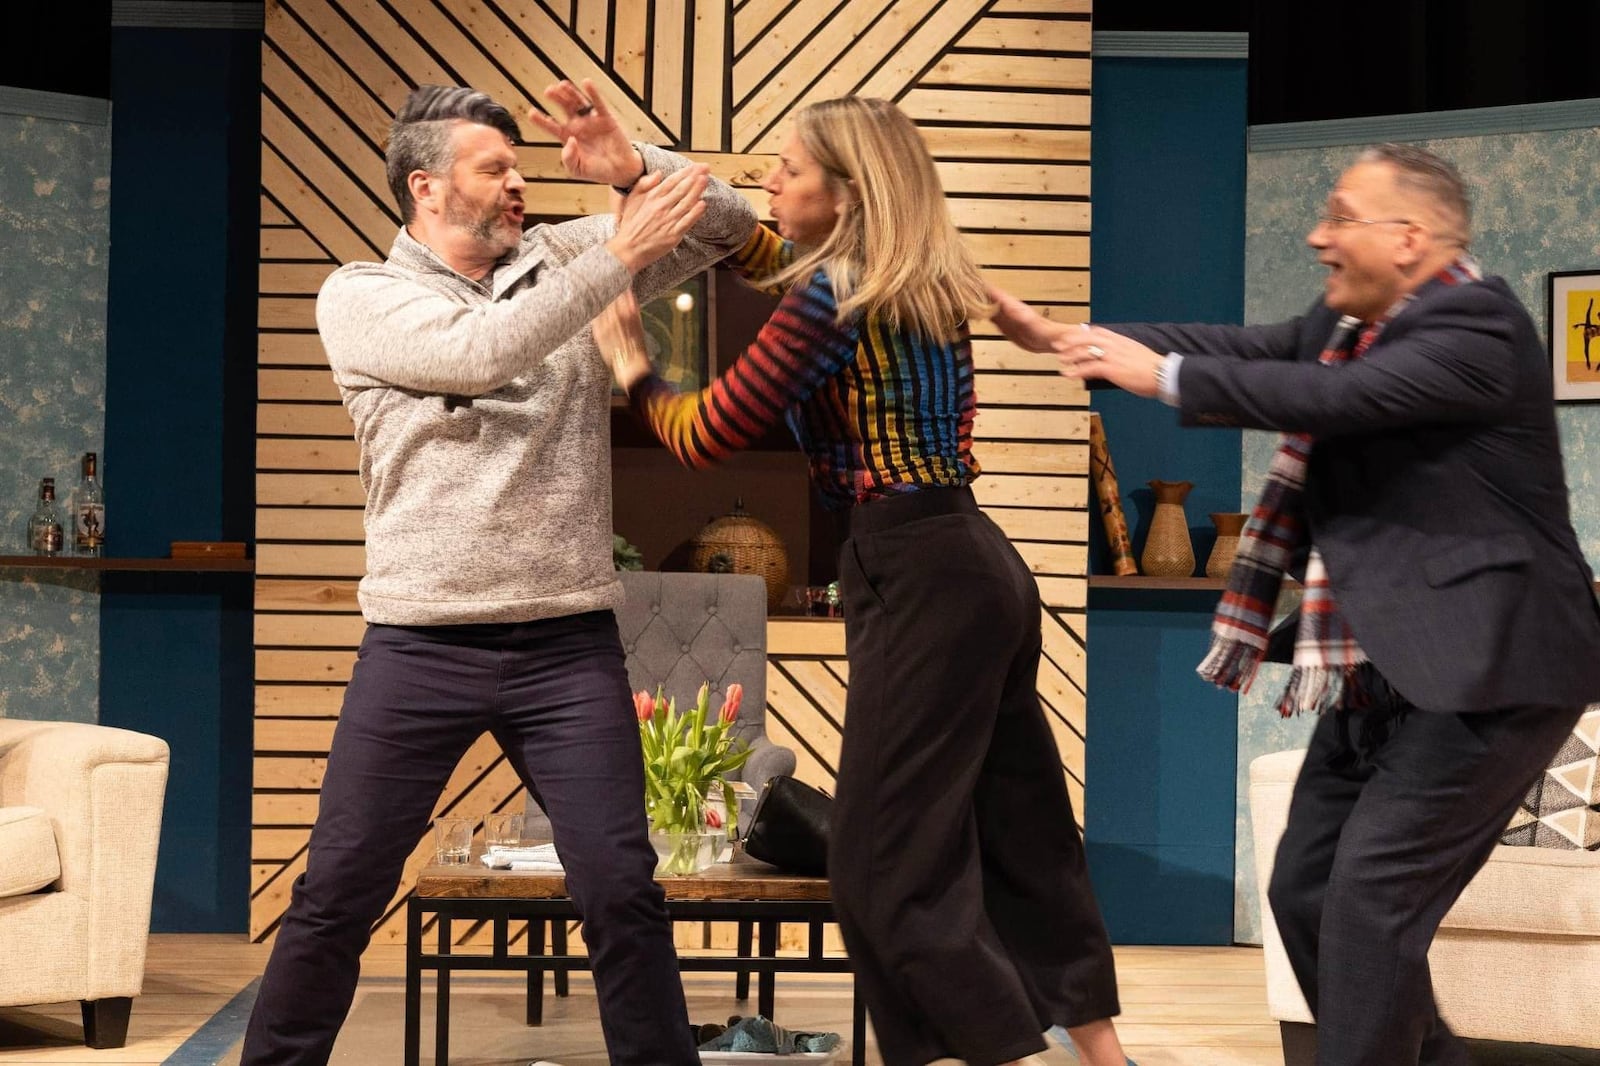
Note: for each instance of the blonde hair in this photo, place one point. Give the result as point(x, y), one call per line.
point(894, 252)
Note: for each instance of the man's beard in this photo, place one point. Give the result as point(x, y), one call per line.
point(490, 228)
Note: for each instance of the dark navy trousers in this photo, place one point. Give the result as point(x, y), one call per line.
point(554, 694)
point(1382, 839)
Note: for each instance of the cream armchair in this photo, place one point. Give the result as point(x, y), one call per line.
point(1517, 959)
point(80, 814)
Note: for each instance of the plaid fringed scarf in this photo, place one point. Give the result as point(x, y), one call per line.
point(1328, 663)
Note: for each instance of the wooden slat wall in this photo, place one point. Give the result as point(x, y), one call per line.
point(1000, 89)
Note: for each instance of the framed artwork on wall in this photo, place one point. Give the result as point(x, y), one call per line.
point(1573, 311)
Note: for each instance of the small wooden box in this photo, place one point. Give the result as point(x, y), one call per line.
point(208, 549)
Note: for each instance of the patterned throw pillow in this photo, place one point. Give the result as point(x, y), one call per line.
point(1562, 809)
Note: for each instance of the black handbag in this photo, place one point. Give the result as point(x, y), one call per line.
point(789, 827)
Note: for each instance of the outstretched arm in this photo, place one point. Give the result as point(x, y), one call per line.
point(799, 349)
point(1456, 366)
point(1139, 358)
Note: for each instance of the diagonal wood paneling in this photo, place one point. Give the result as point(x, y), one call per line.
point(1001, 91)
point(573, 60)
point(707, 84)
point(784, 59)
point(669, 51)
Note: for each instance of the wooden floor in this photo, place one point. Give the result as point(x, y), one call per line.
point(1181, 1006)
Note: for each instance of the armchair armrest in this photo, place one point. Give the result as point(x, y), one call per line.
point(1272, 780)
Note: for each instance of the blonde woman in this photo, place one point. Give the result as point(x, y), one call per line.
point(958, 873)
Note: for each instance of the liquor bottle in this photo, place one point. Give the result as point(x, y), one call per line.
point(44, 528)
point(89, 511)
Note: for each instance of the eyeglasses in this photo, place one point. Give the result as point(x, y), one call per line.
point(1336, 221)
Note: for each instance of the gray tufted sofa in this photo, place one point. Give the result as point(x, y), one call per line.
point(680, 630)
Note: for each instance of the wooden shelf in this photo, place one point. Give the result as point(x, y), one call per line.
point(1156, 584)
point(75, 562)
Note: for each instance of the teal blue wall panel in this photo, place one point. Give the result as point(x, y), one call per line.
point(176, 649)
point(55, 225)
point(1168, 214)
point(177, 628)
point(1160, 802)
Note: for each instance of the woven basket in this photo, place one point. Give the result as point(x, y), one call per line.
point(736, 543)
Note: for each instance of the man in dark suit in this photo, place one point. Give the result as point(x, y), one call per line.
point(1449, 624)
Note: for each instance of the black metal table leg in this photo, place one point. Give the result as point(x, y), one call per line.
point(741, 979)
point(766, 980)
point(413, 1038)
point(441, 1019)
point(535, 1008)
point(558, 946)
point(858, 1027)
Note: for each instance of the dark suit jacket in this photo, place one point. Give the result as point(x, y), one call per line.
point(1435, 491)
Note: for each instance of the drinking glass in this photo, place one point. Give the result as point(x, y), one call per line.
point(502, 829)
point(452, 841)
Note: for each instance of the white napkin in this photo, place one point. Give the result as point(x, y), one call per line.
point(535, 858)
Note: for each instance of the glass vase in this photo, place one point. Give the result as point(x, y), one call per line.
point(683, 853)
point(684, 844)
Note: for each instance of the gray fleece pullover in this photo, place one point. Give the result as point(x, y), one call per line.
point(482, 411)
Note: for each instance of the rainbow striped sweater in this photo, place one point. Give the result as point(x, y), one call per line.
point(876, 411)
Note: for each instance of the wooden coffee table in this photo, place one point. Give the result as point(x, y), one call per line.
point(745, 891)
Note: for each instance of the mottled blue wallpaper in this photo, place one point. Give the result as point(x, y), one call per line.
point(1534, 206)
point(55, 231)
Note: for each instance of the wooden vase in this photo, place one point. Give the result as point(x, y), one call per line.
point(1229, 526)
point(1167, 550)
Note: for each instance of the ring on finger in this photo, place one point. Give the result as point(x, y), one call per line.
point(584, 110)
point(1095, 351)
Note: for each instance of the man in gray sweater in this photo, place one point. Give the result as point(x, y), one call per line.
point(481, 407)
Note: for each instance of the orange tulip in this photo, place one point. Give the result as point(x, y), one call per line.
point(730, 703)
point(644, 705)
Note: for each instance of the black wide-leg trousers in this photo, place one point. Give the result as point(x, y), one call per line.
point(554, 694)
point(958, 871)
point(1382, 838)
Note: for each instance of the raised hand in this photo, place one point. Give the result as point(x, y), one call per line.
point(619, 334)
point(657, 214)
point(593, 144)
